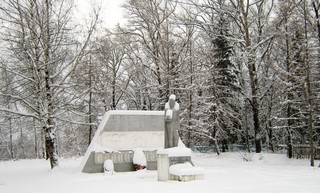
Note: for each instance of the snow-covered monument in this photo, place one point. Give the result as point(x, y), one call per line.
point(123, 137)
point(121, 132)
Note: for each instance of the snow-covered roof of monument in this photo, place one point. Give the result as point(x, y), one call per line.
point(135, 112)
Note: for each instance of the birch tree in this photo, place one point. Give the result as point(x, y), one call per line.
point(38, 36)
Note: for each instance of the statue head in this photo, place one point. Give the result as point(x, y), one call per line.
point(172, 101)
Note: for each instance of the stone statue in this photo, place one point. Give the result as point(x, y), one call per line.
point(172, 123)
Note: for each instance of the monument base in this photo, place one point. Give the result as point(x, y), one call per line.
point(185, 172)
point(122, 160)
point(177, 156)
point(187, 178)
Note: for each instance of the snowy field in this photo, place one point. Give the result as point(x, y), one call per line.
point(269, 173)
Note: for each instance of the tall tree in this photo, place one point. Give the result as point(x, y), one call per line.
point(39, 39)
point(250, 21)
point(220, 114)
point(299, 75)
point(111, 56)
point(151, 23)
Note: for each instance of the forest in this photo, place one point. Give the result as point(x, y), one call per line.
point(244, 72)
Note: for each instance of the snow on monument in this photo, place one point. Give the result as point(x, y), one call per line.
point(119, 134)
point(131, 140)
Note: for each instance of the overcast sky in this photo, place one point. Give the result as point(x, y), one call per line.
point(111, 13)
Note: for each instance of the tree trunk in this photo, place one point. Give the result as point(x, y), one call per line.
point(11, 139)
point(270, 135)
point(7, 101)
point(255, 108)
point(289, 144)
point(190, 137)
point(90, 101)
point(90, 119)
point(247, 137)
point(21, 143)
point(50, 136)
point(316, 11)
point(252, 76)
point(308, 90)
point(217, 147)
point(114, 77)
point(36, 149)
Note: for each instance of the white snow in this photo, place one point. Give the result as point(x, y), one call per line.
point(135, 112)
point(175, 151)
point(108, 166)
point(176, 106)
point(168, 114)
point(139, 158)
point(102, 149)
point(227, 173)
point(185, 169)
point(172, 97)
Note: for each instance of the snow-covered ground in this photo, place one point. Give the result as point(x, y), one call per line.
point(269, 173)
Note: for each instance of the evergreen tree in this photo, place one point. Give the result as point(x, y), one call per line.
point(220, 107)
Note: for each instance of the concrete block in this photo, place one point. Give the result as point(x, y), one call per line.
point(186, 178)
point(163, 167)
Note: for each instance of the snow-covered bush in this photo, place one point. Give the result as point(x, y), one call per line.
point(139, 160)
point(108, 167)
point(248, 157)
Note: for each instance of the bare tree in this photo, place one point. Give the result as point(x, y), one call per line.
point(152, 23)
point(299, 75)
point(250, 20)
point(111, 55)
point(39, 38)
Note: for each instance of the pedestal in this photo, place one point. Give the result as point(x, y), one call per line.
point(168, 157)
point(163, 167)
